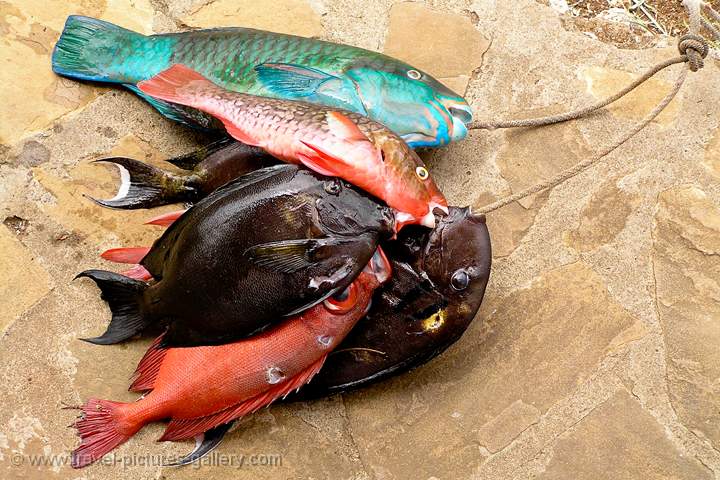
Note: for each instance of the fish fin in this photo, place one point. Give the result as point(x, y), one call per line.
point(145, 186)
point(102, 427)
point(124, 296)
point(183, 85)
point(180, 429)
point(320, 161)
point(190, 160)
point(287, 256)
point(138, 272)
point(125, 255)
point(85, 47)
point(204, 444)
point(341, 126)
point(290, 80)
point(166, 219)
point(174, 112)
point(148, 368)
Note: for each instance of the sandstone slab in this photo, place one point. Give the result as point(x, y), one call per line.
point(294, 17)
point(603, 217)
point(620, 441)
point(687, 271)
point(603, 82)
point(457, 47)
point(32, 95)
point(495, 383)
point(24, 281)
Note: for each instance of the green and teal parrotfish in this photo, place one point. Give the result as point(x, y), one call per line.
point(410, 102)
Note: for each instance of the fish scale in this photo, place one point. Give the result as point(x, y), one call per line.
point(271, 65)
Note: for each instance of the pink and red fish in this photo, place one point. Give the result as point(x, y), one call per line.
point(329, 141)
point(199, 388)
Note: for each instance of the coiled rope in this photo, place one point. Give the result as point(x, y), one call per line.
point(693, 50)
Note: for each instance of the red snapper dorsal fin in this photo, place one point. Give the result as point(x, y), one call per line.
point(180, 429)
point(148, 368)
point(341, 126)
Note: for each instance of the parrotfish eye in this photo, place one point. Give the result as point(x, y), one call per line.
point(460, 280)
point(333, 186)
point(422, 173)
point(344, 301)
point(414, 74)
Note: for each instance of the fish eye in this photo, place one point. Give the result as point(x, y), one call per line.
point(422, 173)
point(460, 280)
point(414, 74)
point(344, 301)
point(333, 186)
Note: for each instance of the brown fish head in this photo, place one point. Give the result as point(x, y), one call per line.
point(438, 282)
point(410, 187)
point(344, 209)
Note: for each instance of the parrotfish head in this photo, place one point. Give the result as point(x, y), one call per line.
point(408, 186)
point(410, 102)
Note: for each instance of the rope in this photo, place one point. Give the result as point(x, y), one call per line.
point(693, 49)
point(582, 112)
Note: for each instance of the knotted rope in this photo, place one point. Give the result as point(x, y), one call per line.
point(693, 50)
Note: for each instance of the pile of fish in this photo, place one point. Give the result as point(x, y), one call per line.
point(317, 254)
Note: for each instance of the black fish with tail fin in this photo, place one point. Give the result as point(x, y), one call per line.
point(267, 245)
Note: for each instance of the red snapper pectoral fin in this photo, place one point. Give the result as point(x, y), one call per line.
point(181, 429)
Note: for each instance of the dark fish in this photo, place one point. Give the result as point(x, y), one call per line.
point(439, 279)
point(267, 245)
point(438, 282)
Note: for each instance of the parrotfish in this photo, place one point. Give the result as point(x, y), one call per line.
point(200, 388)
point(329, 141)
point(409, 101)
point(267, 245)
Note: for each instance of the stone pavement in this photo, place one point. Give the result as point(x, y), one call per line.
point(595, 354)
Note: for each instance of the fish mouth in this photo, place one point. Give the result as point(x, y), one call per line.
point(462, 115)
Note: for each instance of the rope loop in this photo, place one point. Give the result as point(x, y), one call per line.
point(695, 48)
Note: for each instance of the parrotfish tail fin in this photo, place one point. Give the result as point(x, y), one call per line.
point(87, 48)
point(148, 368)
point(183, 85)
point(180, 429)
point(146, 186)
point(124, 297)
point(102, 427)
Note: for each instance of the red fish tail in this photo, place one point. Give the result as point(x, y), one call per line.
point(183, 85)
point(178, 84)
point(103, 426)
point(166, 219)
point(138, 272)
point(125, 254)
